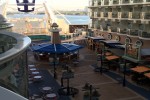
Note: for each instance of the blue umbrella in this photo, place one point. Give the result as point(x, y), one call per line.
point(56, 48)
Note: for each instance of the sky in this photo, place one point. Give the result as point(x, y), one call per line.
point(63, 4)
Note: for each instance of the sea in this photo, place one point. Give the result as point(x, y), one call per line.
point(73, 19)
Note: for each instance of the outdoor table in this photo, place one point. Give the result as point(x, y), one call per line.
point(140, 69)
point(46, 89)
point(35, 73)
point(108, 53)
point(147, 75)
point(37, 78)
point(113, 57)
point(32, 69)
point(31, 66)
point(51, 96)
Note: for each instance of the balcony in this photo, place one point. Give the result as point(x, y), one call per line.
point(136, 15)
point(105, 29)
point(105, 14)
point(116, 2)
point(124, 15)
point(123, 31)
point(106, 2)
point(147, 16)
point(92, 15)
point(134, 33)
point(113, 29)
point(96, 26)
point(115, 15)
point(147, 0)
point(99, 3)
point(126, 1)
point(145, 35)
point(137, 1)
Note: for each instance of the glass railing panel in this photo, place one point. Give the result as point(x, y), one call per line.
point(126, 1)
point(137, 1)
point(134, 33)
point(116, 2)
point(136, 15)
point(105, 14)
point(145, 35)
point(147, 0)
point(123, 31)
point(105, 29)
point(147, 16)
point(114, 15)
point(113, 29)
point(106, 2)
point(124, 15)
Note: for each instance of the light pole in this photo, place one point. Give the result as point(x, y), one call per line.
point(124, 74)
point(54, 63)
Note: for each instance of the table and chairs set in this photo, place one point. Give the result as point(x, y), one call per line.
point(34, 74)
point(141, 75)
point(46, 92)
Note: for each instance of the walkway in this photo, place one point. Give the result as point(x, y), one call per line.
point(108, 87)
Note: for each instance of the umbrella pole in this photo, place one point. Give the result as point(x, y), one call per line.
point(55, 66)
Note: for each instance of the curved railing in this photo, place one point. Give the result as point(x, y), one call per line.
point(6, 94)
point(22, 43)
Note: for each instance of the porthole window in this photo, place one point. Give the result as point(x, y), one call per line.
point(127, 40)
point(117, 38)
point(109, 36)
point(139, 43)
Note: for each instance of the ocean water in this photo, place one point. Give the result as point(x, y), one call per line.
point(73, 19)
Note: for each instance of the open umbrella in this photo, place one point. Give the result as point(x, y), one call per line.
point(56, 48)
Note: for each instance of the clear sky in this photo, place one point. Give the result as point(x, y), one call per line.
point(63, 4)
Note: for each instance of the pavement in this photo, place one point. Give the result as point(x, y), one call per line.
point(108, 87)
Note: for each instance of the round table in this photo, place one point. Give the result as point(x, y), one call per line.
point(46, 88)
point(35, 73)
point(32, 69)
point(30, 66)
point(51, 96)
point(37, 78)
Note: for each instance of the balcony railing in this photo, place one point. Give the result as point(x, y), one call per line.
point(125, 1)
point(98, 14)
point(137, 1)
point(147, 0)
point(136, 15)
point(106, 2)
point(105, 29)
point(105, 14)
point(147, 16)
point(123, 31)
point(124, 15)
point(134, 33)
point(113, 29)
point(97, 26)
point(116, 2)
point(99, 3)
point(114, 15)
point(145, 35)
